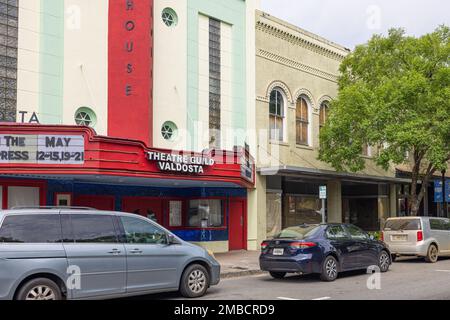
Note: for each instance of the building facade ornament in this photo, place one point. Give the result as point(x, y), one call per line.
point(306, 93)
point(283, 87)
point(297, 65)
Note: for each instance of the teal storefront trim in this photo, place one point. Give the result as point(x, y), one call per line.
point(232, 12)
point(51, 76)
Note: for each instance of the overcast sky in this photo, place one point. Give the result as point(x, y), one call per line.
point(351, 22)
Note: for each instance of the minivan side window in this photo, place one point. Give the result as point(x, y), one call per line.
point(142, 232)
point(37, 228)
point(92, 228)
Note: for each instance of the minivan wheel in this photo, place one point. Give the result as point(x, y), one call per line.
point(384, 261)
point(432, 254)
point(277, 275)
point(194, 282)
point(329, 269)
point(40, 289)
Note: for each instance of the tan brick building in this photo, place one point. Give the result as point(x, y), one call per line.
point(296, 78)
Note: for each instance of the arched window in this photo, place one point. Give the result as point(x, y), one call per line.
point(276, 110)
point(323, 116)
point(302, 121)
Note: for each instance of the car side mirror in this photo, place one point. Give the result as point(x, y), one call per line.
point(172, 240)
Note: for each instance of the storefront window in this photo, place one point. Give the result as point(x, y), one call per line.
point(175, 213)
point(23, 196)
point(206, 213)
point(302, 209)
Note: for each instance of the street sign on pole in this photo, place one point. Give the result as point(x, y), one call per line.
point(323, 196)
point(438, 194)
point(323, 192)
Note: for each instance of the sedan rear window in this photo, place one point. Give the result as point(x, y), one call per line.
point(402, 224)
point(298, 233)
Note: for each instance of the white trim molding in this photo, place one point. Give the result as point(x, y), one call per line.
point(283, 87)
point(306, 93)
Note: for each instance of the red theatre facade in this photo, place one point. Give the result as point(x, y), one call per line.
point(202, 197)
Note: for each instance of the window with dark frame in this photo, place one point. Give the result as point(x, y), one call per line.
point(9, 14)
point(175, 213)
point(323, 116)
point(276, 115)
point(214, 84)
point(206, 213)
point(302, 121)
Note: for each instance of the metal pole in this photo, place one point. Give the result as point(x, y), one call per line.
point(444, 198)
point(323, 211)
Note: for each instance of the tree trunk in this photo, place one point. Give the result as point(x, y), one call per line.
point(416, 199)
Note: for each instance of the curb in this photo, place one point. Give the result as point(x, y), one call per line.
point(237, 274)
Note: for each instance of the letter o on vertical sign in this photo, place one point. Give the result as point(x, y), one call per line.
point(129, 25)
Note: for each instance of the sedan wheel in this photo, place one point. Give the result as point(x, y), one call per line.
point(329, 269)
point(384, 261)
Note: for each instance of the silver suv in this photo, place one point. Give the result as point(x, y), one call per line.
point(81, 253)
point(418, 236)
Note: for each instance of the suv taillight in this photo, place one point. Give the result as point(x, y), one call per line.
point(419, 236)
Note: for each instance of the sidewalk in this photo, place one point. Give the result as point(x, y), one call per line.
point(239, 263)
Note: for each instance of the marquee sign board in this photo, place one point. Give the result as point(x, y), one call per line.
point(41, 149)
point(180, 163)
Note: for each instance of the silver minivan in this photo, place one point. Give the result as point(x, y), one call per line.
point(426, 237)
point(82, 253)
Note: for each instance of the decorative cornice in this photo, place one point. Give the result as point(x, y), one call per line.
point(298, 40)
point(297, 65)
point(262, 99)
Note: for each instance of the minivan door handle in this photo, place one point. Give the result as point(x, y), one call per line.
point(115, 251)
point(136, 251)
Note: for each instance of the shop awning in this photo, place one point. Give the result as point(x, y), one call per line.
point(299, 172)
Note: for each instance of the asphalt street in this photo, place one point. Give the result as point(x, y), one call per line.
point(408, 279)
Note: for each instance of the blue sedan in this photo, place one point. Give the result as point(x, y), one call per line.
point(325, 249)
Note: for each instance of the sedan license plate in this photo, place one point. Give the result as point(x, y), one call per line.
point(278, 252)
point(402, 237)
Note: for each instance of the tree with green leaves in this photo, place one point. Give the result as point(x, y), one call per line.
point(394, 95)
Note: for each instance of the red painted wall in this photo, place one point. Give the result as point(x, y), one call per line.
point(130, 64)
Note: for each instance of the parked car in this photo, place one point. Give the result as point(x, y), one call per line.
point(418, 236)
point(73, 253)
point(325, 249)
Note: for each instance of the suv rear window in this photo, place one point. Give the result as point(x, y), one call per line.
point(36, 228)
point(402, 224)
